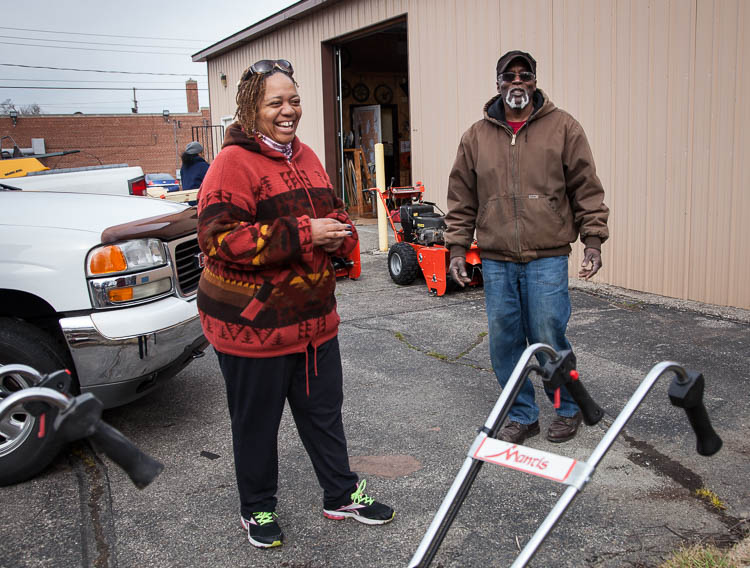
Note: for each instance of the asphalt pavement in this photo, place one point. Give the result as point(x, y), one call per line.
point(418, 385)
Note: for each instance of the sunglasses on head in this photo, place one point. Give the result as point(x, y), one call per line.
point(510, 76)
point(267, 66)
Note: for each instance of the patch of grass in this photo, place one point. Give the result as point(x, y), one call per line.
point(400, 336)
point(437, 355)
point(441, 356)
point(708, 495)
point(631, 306)
point(699, 557)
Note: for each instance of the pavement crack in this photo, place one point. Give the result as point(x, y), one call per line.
point(442, 356)
point(436, 306)
point(646, 455)
point(478, 341)
point(95, 499)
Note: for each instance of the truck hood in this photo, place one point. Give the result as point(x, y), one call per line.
point(85, 212)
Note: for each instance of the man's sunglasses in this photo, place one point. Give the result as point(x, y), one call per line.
point(267, 66)
point(510, 76)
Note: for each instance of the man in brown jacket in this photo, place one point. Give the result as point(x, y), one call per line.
point(524, 179)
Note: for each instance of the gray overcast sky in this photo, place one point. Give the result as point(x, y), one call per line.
point(166, 32)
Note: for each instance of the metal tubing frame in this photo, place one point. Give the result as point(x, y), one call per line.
point(41, 394)
point(596, 456)
point(31, 394)
point(470, 468)
point(459, 489)
point(23, 370)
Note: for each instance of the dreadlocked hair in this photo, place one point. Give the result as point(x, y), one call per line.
point(249, 94)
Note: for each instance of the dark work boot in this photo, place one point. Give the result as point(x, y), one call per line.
point(562, 428)
point(516, 433)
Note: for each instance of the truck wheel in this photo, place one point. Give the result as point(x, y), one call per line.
point(402, 263)
point(23, 454)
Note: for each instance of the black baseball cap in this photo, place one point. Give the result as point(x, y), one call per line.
point(508, 58)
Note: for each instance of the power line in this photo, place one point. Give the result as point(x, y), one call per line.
point(184, 54)
point(100, 70)
point(88, 42)
point(127, 102)
point(91, 81)
point(97, 88)
point(196, 40)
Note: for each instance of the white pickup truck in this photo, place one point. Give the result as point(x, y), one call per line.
point(30, 174)
point(102, 285)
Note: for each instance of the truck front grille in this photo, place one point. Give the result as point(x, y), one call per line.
point(185, 255)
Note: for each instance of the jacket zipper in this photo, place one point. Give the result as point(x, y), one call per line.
point(516, 188)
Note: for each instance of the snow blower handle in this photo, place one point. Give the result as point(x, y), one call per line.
point(686, 391)
point(561, 372)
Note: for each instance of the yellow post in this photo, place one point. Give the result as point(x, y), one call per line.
point(380, 184)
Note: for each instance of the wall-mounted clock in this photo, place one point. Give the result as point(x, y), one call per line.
point(361, 92)
point(383, 94)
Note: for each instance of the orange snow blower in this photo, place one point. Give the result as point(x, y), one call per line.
point(420, 243)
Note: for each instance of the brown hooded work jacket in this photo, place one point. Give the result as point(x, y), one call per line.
point(528, 195)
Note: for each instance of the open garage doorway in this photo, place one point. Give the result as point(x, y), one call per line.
point(370, 105)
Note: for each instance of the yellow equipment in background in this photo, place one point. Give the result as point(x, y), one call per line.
point(19, 167)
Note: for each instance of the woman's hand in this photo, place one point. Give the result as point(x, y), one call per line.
point(328, 233)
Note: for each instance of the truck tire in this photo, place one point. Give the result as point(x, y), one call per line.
point(23, 454)
point(403, 265)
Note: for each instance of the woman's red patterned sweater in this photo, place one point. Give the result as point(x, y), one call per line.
point(265, 289)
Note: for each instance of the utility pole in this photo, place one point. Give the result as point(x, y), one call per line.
point(175, 125)
point(134, 110)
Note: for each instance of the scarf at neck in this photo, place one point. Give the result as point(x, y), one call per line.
point(285, 149)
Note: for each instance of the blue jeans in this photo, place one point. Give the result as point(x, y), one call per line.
point(527, 303)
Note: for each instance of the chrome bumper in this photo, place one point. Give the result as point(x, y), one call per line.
point(119, 370)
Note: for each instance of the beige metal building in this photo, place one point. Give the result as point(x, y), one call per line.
point(657, 85)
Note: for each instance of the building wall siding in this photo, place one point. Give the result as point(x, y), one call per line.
point(656, 85)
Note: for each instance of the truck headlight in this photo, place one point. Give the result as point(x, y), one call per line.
point(128, 256)
point(128, 273)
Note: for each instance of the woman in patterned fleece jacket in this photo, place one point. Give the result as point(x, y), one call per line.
point(268, 222)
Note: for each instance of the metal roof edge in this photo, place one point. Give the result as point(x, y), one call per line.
point(286, 16)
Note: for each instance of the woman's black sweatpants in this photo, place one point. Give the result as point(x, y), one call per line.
point(256, 391)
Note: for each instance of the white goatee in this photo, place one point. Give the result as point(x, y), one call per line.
point(519, 105)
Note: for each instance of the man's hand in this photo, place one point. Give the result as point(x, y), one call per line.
point(457, 269)
point(592, 262)
point(328, 233)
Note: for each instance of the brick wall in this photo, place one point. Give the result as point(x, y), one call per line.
point(144, 140)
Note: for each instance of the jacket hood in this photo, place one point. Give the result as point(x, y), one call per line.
point(494, 109)
point(236, 136)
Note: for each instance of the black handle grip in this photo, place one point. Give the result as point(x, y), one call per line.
point(687, 392)
point(140, 467)
point(707, 440)
point(591, 411)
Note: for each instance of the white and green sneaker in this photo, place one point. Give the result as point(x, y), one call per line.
point(361, 507)
point(262, 530)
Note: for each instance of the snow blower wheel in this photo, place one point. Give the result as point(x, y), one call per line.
point(402, 263)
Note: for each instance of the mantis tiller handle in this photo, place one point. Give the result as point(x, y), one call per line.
point(82, 419)
point(687, 392)
point(591, 411)
point(140, 467)
point(561, 372)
